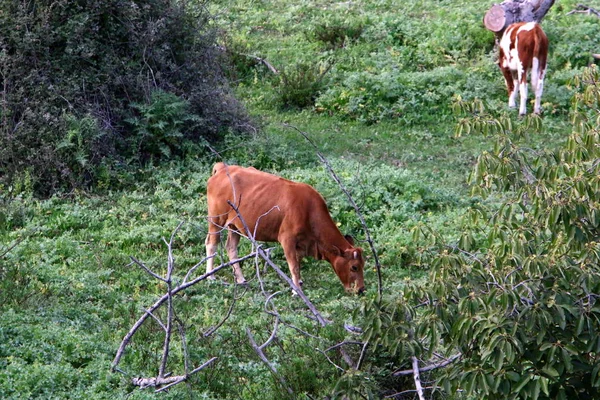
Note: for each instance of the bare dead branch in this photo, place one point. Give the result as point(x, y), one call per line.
point(213, 329)
point(353, 329)
point(17, 242)
point(335, 346)
point(417, 377)
point(583, 9)
point(161, 300)
point(363, 353)
point(148, 270)
point(308, 303)
point(346, 357)
point(352, 203)
point(430, 367)
point(157, 320)
point(405, 392)
point(170, 268)
point(169, 381)
point(329, 359)
point(260, 60)
point(186, 354)
point(263, 357)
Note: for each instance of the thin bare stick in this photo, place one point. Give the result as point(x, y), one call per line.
point(347, 358)
point(170, 268)
point(329, 359)
point(157, 320)
point(264, 255)
point(335, 346)
point(191, 270)
point(16, 243)
point(148, 270)
point(363, 353)
point(263, 357)
point(161, 300)
point(169, 381)
point(417, 376)
point(405, 392)
point(430, 367)
point(583, 9)
point(308, 303)
point(213, 329)
point(255, 58)
point(186, 356)
point(352, 203)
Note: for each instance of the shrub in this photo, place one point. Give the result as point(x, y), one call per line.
point(335, 33)
point(515, 295)
point(72, 70)
point(300, 85)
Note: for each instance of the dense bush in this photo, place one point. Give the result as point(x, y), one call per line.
point(74, 72)
point(515, 297)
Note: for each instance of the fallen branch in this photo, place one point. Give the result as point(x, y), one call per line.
point(169, 381)
point(265, 257)
point(259, 350)
point(417, 377)
point(260, 60)
point(429, 367)
point(583, 9)
point(161, 300)
point(352, 203)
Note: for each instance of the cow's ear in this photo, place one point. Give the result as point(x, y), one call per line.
point(350, 239)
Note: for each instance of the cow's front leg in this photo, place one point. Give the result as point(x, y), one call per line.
point(293, 260)
point(233, 240)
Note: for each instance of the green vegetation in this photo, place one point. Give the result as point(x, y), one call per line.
point(487, 226)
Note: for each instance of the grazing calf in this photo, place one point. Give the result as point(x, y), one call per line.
point(524, 48)
point(274, 209)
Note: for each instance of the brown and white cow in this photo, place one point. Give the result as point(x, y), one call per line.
point(523, 49)
point(278, 210)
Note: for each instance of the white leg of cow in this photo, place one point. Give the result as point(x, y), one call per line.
point(512, 99)
point(233, 240)
point(538, 95)
point(523, 92)
point(212, 244)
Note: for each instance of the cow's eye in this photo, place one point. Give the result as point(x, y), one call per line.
point(354, 268)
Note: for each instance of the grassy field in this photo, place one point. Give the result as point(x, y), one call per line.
point(381, 114)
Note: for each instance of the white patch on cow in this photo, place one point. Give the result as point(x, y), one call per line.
point(527, 27)
point(537, 82)
point(523, 105)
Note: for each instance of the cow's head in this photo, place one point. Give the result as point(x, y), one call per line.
point(349, 266)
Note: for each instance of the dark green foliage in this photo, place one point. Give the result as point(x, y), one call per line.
point(516, 295)
point(72, 73)
point(158, 128)
point(336, 32)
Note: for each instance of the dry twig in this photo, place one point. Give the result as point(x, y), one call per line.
point(352, 203)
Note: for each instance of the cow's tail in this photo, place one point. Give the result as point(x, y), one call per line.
point(218, 166)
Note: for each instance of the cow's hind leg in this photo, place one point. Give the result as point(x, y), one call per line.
point(512, 99)
point(213, 238)
point(523, 91)
point(539, 88)
point(233, 240)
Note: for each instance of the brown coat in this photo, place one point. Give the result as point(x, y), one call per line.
point(278, 210)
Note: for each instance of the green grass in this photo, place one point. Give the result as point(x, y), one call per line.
point(68, 294)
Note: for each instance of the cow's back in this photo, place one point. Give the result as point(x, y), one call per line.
point(267, 203)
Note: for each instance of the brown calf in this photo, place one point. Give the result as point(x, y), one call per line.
point(278, 210)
